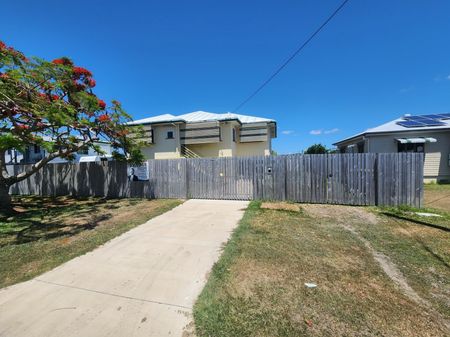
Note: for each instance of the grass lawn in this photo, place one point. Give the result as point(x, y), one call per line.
point(437, 196)
point(420, 247)
point(377, 274)
point(48, 232)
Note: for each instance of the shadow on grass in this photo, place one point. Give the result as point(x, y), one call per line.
point(436, 256)
point(45, 231)
point(419, 222)
point(44, 218)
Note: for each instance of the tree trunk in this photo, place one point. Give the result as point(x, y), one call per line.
point(5, 199)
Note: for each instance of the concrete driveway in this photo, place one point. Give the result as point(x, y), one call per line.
point(142, 283)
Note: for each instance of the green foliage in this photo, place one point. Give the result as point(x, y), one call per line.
point(316, 149)
point(9, 141)
point(52, 104)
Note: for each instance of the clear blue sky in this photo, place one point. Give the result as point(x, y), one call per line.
point(376, 61)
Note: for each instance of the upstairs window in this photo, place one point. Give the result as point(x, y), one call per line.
point(37, 149)
point(169, 134)
point(234, 134)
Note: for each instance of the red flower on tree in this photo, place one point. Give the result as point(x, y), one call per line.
point(54, 99)
point(104, 118)
point(22, 127)
point(101, 104)
point(90, 82)
point(63, 60)
point(78, 86)
point(14, 53)
point(122, 133)
point(80, 71)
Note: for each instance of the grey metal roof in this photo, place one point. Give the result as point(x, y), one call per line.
point(392, 126)
point(201, 116)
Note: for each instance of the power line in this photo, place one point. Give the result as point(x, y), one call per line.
point(299, 49)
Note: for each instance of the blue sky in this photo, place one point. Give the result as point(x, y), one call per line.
point(374, 62)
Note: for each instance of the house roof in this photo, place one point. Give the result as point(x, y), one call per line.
point(393, 126)
point(201, 116)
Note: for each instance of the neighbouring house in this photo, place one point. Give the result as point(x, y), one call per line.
point(206, 134)
point(429, 134)
point(34, 153)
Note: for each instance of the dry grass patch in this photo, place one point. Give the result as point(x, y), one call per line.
point(281, 206)
point(46, 232)
point(437, 196)
point(258, 286)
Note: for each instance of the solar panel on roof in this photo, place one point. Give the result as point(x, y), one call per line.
point(445, 116)
point(410, 124)
point(434, 122)
point(422, 119)
point(433, 116)
point(415, 118)
point(420, 123)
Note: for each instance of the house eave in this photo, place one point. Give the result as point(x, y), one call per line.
point(385, 133)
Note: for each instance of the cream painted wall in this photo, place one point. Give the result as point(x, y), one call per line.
point(436, 166)
point(225, 148)
point(164, 148)
point(255, 148)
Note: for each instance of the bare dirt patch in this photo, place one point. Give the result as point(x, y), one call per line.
point(437, 196)
point(347, 216)
point(258, 287)
point(341, 213)
point(281, 206)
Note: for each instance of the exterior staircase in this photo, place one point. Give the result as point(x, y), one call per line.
point(188, 153)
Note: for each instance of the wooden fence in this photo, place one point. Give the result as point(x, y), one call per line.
point(353, 179)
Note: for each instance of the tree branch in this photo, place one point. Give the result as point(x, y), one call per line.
point(3, 172)
point(37, 166)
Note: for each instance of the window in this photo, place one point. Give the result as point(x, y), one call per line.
point(37, 149)
point(169, 134)
point(360, 147)
point(83, 150)
point(411, 147)
point(234, 134)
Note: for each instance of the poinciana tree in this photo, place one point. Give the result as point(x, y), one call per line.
point(52, 105)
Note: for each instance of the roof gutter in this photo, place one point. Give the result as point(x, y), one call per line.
point(382, 133)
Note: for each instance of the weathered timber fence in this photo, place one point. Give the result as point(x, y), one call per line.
point(353, 179)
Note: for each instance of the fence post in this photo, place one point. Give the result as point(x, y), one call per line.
point(309, 178)
point(375, 174)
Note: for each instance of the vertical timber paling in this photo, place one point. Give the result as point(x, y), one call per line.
point(355, 179)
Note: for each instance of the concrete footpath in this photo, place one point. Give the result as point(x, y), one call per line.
point(142, 283)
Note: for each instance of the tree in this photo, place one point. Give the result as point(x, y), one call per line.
point(52, 105)
point(316, 149)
